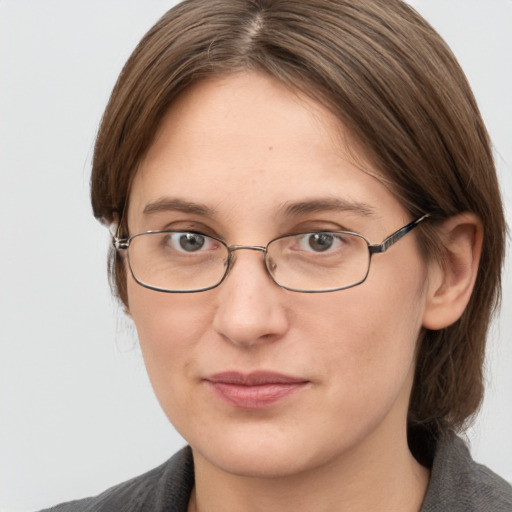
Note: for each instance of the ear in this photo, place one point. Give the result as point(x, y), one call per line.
point(451, 282)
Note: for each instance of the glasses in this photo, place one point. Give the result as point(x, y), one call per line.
point(314, 262)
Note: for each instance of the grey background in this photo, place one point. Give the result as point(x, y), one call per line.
point(77, 413)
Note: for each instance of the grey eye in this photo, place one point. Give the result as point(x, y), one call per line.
point(191, 242)
point(320, 242)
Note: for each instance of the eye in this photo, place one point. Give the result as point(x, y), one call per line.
point(189, 242)
point(319, 242)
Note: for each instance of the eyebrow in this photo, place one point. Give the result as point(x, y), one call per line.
point(290, 209)
point(328, 204)
point(171, 204)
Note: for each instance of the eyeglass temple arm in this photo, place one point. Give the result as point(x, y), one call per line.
point(393, 238)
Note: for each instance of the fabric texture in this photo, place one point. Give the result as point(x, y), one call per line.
point(166, 488)
point(457, 484)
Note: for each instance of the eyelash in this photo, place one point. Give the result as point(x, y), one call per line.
point(309, 226)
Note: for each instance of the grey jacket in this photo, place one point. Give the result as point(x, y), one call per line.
point(457, 484)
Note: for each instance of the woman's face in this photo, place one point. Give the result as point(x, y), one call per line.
point(329, 374)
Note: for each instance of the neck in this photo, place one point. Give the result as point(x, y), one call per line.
point(374, 476)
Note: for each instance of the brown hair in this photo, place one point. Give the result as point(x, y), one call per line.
point(391, 79)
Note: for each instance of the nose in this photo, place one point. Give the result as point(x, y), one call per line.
point(251, 308)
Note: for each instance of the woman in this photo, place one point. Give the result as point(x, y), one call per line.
point(308, 235)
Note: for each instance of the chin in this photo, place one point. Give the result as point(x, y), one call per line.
point(256, 461)
point(270, 452)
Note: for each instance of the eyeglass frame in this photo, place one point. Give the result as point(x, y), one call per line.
point(123, 244)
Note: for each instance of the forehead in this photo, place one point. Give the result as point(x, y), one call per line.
point(247, 143)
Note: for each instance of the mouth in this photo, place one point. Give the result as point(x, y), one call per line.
point(255, 390)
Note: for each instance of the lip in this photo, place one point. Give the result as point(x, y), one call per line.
point(254, 390)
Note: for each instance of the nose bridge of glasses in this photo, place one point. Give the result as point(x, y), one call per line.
point(233, 248)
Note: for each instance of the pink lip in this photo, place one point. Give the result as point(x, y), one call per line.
point(254, 390)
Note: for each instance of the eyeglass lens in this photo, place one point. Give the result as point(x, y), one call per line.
point(184, 261)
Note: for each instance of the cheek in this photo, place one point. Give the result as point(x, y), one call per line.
point(165, 320)
point(368, 340)
point(170, 328)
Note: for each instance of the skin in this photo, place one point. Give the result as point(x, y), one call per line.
point(247, 147)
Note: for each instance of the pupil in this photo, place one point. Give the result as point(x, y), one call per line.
point(320, 241)
point(191, 242)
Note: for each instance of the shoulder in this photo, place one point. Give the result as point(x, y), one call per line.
point(157, 490)
point(459, 484)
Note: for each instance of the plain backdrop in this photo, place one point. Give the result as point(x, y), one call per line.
point(77, 411)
